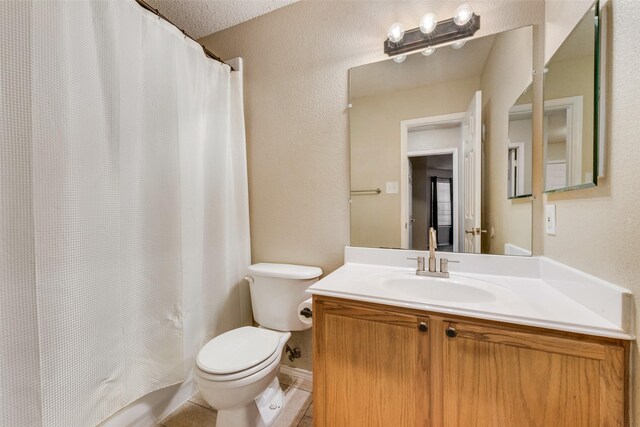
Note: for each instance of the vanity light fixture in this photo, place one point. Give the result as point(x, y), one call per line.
point(458, 44)
point(431, 33)
point(400, 58)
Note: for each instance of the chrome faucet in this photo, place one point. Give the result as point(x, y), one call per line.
point(444, 263)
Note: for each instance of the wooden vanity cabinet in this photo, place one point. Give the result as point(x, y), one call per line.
point(376, 365)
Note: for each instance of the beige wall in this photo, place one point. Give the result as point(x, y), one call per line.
point(506, 75)
point(296, 95)
point(375, 152)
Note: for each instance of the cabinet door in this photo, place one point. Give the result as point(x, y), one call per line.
point(370, 367)
point(494, 377)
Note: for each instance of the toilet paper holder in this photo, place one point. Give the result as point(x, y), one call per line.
point(306, 312)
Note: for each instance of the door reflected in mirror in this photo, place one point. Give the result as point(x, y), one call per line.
point(570, 119)
point(520, 148)
point(431, 133)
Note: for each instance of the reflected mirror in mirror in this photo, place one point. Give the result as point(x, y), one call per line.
point(520, 148)
point(428, 141)
point(570, 121)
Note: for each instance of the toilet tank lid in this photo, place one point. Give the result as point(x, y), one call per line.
point(285, 271)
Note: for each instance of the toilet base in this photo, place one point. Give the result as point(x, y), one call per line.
point(262, 412)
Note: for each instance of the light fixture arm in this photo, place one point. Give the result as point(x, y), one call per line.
point(446, 31)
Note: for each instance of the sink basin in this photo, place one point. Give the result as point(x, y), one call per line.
point(453, 289)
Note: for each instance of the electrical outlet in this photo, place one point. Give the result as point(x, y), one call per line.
point(551, 220)
point(392, 187)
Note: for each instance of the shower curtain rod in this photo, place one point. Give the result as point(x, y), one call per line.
point(207, 52)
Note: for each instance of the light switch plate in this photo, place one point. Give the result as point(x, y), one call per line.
point(392, 187)
point(551, 220)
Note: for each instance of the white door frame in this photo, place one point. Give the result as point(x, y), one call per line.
point(520, 147)
point(573, 106)
point(405, 127)
point(520, 111)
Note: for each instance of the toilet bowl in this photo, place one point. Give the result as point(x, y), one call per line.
point(231, 377)
point(236, 372)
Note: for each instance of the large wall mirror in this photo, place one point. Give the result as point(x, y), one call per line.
point(444, 141)
point(571, 109)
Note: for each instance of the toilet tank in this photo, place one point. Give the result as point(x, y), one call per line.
point(276, 292)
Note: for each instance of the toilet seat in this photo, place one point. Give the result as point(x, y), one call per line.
point(238, 353)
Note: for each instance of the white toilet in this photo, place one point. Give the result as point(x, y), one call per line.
point(236, 372)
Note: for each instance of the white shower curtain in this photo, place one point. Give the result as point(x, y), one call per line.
point(122, 188)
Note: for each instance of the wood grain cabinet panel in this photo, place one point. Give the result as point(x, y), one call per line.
point(377, 366)
point(370, 367)
point(494, 377)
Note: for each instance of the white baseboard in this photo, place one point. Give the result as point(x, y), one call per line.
point(296, 372)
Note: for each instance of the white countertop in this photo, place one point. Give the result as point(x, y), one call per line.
point(534, 292)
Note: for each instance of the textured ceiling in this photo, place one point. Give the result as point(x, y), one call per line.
point(200, 18)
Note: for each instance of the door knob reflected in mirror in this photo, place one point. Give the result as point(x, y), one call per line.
point(475, 231)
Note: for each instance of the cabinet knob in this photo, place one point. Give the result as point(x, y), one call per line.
point(423, 327)
point(451, 332)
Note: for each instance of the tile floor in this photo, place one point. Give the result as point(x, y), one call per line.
point(298, 410)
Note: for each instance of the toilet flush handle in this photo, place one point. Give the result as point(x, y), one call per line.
point(248, 279)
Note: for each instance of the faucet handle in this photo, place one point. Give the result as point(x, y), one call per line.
point(444, 265)
point(420, 260)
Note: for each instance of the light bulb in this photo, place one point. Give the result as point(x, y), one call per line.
point(399, 58)
point(428, 51)
point(396, 32)
point(428, 23)
point(458, 44)
point(463, 14)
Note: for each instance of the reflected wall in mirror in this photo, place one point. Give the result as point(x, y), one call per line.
point(520, 148)
point(431, 134)
point(570, 119)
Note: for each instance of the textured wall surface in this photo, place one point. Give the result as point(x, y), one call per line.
point(296, 91)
